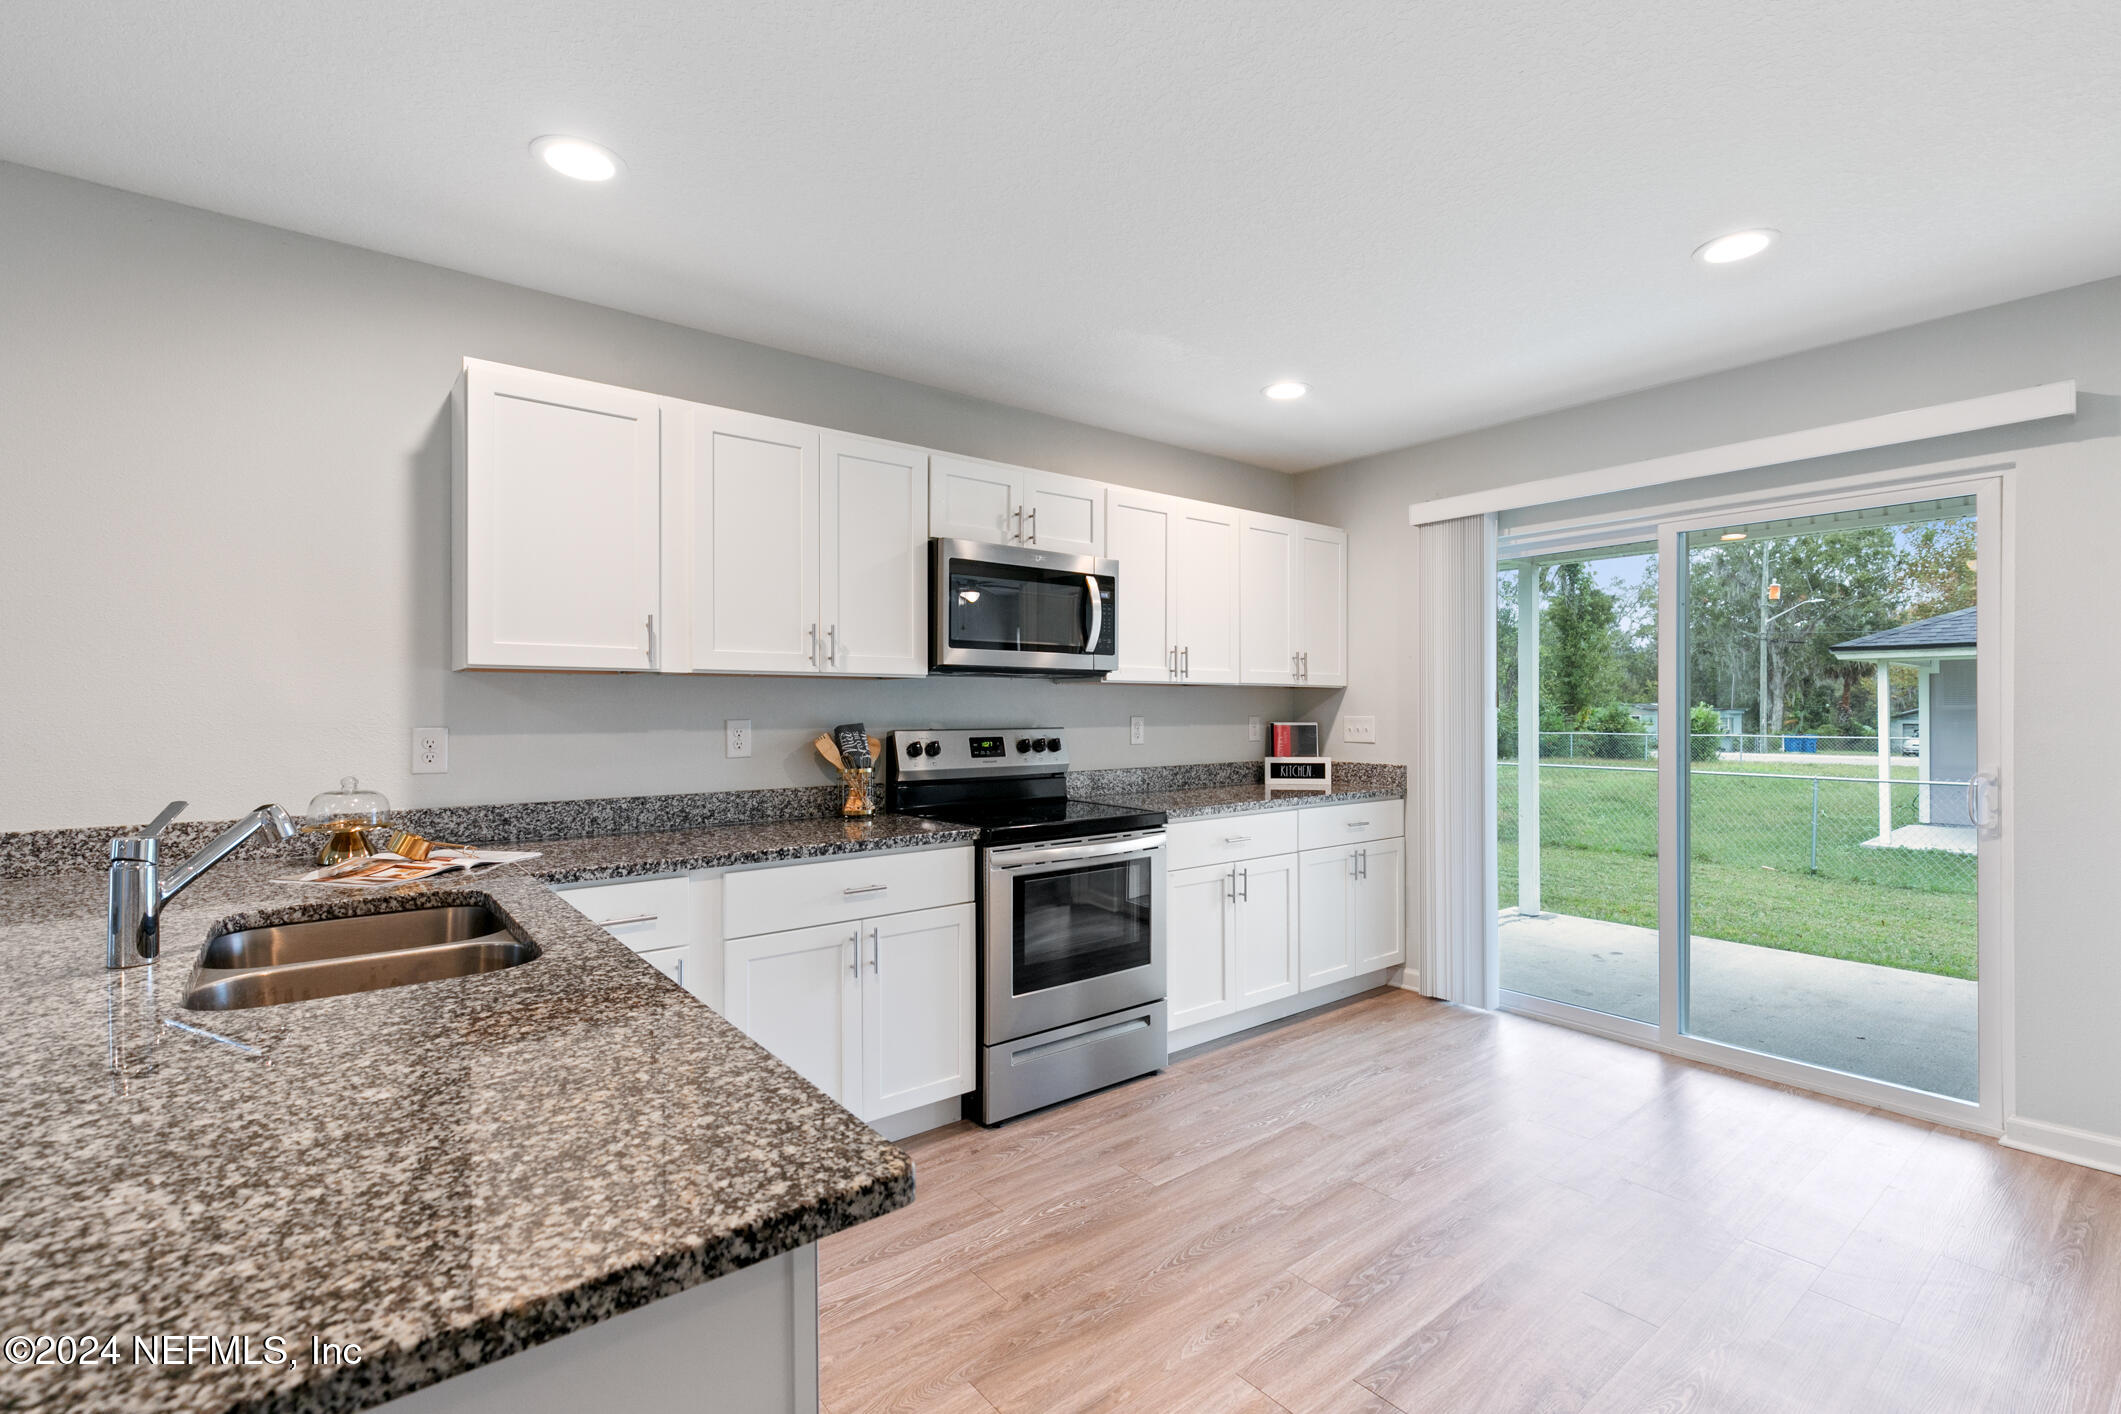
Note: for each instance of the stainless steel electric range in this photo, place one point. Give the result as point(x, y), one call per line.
point(1071, 914)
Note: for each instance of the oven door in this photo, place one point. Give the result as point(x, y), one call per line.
point(1072, 930)
point(1010, 608)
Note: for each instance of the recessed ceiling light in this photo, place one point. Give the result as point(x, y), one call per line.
point(1738, 245)
point(1288, 390)
point(577, 157)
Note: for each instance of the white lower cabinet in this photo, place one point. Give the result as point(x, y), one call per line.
point(917, 1009)
point(1231, 937)
point(1354, 911)
point(799, 995)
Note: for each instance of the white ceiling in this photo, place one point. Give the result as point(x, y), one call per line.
point(1136, 215)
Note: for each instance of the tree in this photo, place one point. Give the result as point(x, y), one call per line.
point(1704, 733)
point(1577, 668)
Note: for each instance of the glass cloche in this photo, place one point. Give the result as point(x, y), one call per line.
point(342, 815)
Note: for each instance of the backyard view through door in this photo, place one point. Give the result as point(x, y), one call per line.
point(1825, 871)
point(1830, 851)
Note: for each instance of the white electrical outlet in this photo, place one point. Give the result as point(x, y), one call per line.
point(1255, 729)
point(430, 751)
point(1137, 730)
point(739, 734)
point(1359, 729)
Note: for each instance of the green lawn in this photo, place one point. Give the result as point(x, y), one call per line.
point(1753, 880)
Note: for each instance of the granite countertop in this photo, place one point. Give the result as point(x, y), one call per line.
point(1196, 801)
point(444, 1174)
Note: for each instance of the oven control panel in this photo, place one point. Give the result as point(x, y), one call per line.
point(1011, 751)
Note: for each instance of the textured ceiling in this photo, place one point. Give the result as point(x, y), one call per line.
point(1441, 216)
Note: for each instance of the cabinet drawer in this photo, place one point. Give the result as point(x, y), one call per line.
point(1324, 826)
point(1223, 839)
point(644, 914)
point(841, 890)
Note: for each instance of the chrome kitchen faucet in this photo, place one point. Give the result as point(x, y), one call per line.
point(137, 893)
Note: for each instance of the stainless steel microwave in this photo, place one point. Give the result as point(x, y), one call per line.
point(1020, 609)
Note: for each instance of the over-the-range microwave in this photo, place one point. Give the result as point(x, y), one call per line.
point(1020, 609)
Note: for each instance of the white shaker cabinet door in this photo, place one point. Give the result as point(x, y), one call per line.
point(974, 500)
point(918, 997)
point(557, 490)
point(750, 508)
point(1138, 535)
point(874, 559)
point(1200, 943)
point(1327, 948)
point(1267, 590)
point(1267, 966)
point(1378, 906)
point(1064, 513)
point(798, 995)
point(1322, 606)
point(1204, 592)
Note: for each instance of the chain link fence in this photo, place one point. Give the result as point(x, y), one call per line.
point(1642, 746)
point(1780, 859)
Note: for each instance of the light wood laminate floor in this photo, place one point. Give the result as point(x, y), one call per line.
point(1402, 1206)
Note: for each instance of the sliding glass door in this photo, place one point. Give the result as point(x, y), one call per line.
point(1744, 790)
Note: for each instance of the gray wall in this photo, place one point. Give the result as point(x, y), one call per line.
point(225, 461)
point(2068, 962)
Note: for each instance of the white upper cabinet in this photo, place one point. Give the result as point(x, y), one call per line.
point(1013, 505)
point(748, 501)
point(873, 560)
point(557, 490)
point(1065, 513)
point(1138, 535)
point(1204, 592)
point(1267, 573)
point(1322, 606)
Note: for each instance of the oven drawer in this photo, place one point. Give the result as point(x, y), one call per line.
point(1035, 1071)
point(1325, 826)
point(841, 890)
point(1225, 839)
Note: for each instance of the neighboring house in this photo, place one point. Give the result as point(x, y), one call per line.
point(1941, 650)
point(1730, 720)
point(1905, 725)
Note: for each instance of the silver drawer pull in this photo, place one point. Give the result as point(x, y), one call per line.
point(864, 889)
point(622, 922)
point(1237, 839)
point(1358, 824)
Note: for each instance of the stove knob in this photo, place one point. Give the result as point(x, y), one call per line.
point(934, 748)
point(1023, 743)
point(913, 748)
point(1038, 743)
point(1052, 743)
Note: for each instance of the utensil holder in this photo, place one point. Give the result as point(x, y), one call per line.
point(860, 784)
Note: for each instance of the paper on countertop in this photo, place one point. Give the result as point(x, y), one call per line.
point(378, 871)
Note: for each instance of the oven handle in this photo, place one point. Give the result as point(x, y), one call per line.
point(1097, 614)
point(1009, 860)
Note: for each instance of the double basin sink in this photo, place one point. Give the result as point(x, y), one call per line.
point(297, 962)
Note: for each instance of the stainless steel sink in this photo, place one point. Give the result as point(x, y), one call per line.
point(296, 962)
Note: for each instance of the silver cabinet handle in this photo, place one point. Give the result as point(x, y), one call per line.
point(1295, 665)
point(832, 646)
point(1307, 664)
point(651, 638)
point(1231, 879)
point(1171, 666)
point(1019, 536)
point(1364, 856)
point(622, 922)
point(1185, 662)
point(813, 645)
point(1358, 824)
point(1237, 839)
point(854, 966)
point(861, 889)
point(1032, 538)
point(1244, 884)
point(873, 949)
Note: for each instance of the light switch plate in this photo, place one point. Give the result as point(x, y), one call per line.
point(1255, 730)
point(1358, 729)
point(430, 751)
point(738, 732)
point(1137, 730)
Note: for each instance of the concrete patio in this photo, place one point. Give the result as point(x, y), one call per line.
point(1909, 1028)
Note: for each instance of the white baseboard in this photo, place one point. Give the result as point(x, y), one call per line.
point(2060, 1141)
point(1200, 1033)
point(920, 1119)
